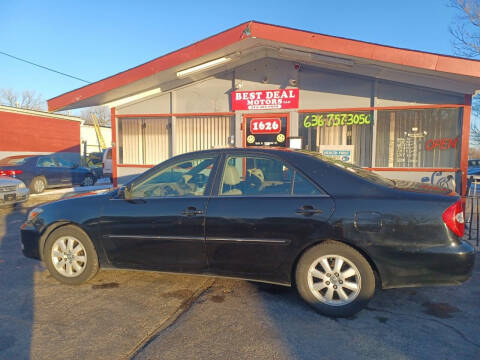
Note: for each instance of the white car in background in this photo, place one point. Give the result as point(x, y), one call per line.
point(107, 163)
point(12, 191)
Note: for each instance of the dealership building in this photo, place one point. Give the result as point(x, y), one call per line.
point(402, 113)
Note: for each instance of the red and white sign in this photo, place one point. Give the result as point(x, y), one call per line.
point(265, 99)
point(265, 126)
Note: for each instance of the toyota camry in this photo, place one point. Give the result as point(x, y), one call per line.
point(332, 230)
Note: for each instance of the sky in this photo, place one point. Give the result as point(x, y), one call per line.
point(95, 39)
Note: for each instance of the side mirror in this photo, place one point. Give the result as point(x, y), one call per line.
point(123, 192)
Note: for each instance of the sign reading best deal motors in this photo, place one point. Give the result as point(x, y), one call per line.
point(265, 99)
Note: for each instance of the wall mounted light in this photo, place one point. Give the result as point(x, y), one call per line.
point(204, 66)
point(138, 96)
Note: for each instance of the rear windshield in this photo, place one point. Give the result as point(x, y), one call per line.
point(14, 161)
point(366, 174)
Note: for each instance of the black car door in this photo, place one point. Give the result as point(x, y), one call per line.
point(159, 222)
point(263, 211)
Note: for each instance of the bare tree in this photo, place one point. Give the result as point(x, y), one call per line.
point(27, 99)
point(102, 113)
point(466, 27)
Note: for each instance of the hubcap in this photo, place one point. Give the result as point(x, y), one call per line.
point(88, 181)
point(69, 256)
point(39, 186)
point(334, 280)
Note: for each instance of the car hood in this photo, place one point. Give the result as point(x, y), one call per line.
point(422, 188)
point(7, 180)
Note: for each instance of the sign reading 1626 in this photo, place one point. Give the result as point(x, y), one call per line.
point(336, 119)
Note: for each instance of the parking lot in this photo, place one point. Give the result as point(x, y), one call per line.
point(145, 315)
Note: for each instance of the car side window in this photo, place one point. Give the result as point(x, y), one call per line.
point(184, 178)
point(46, 161)
point(249, 175)
point(65, 163)
point(303, 186)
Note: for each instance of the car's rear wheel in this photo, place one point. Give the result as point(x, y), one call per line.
point(38, 185)
point(88, 180)
point(335, 279)
point(70, 255)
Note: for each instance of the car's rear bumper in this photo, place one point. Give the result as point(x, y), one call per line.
point(439, 265)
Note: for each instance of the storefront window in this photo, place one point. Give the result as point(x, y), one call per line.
point(418, 138)
point(143, 141)
point(194, 133)
point(344, 135)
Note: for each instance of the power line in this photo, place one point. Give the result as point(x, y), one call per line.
point(44, 67)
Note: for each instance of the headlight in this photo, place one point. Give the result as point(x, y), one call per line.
point(21, 185)
point(34, 213)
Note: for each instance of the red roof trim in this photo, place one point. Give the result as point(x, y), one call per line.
point(338, 45)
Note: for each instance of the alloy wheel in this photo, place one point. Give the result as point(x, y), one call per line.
point(39, 186)
point(334, 280)
point(88, 181)
point(69, 256)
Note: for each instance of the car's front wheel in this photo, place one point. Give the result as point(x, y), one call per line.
point(70, 255)
point(89, 180)
point(335, 279)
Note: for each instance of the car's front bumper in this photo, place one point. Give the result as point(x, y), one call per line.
point(439, 265)
point(30, 239)
point(19, 196)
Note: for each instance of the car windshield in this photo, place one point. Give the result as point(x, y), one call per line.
point(366, 174)
point(14, 160)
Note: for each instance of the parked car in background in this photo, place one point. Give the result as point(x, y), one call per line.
point(474, 163)
point(107, 164)
point(333, 230)
point(94, 162)
point(40, 172)
point(12, 191)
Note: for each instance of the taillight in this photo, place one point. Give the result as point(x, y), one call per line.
point(11, 173)
point(454, 219)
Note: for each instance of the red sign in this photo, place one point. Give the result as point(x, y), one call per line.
point(265, 99)
point(443, 144)
point(265, 126)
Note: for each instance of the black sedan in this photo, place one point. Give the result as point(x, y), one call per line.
point(40, 172)
point(287, 217)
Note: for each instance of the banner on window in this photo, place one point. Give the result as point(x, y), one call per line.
point(338, 152)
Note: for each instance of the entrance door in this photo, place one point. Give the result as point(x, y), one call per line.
point(265, 130)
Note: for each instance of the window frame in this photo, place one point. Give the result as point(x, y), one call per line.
point(172, 161)
point(227, 155)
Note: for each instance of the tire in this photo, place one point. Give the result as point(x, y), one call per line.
point(338, 293)
point(38, 185)
point(79, 265)
point(88, 180)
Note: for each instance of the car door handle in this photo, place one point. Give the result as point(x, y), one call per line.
point(192, 211)
point(308, 210)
